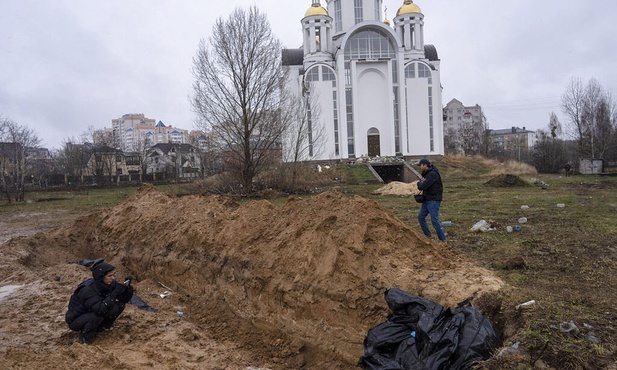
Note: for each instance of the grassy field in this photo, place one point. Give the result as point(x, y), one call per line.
point(564, 258)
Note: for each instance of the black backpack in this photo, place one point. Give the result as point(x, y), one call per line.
point(76, 308)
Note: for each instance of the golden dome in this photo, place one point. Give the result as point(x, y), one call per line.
point(407, 8)
point(316, 9)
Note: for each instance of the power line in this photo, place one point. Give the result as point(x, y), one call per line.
point(533, 103)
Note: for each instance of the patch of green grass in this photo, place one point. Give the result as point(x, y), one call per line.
point(78, 200)
point(563, 257)
point(358, 174)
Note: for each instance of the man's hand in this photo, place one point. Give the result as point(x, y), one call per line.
point(117, 290)
point(127, 280)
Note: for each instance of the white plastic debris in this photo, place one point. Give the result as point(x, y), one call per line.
point(481, 225)
point(165, 294)
point(524, 206)
point(527, 304)
point(560, 205)
point(569, 327)
point(522, 220)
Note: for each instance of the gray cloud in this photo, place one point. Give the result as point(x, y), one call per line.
point(68, 64)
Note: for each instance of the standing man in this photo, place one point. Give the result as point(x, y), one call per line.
point(432, 187)
point(567, 167)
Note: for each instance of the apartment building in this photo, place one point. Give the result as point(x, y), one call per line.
point(463, 127)
point(513, 143)
point(135, 132)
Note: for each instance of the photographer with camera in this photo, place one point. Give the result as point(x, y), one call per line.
point(97, 302)
point(432, 187)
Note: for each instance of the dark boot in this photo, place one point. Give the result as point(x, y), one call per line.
point(86, 338)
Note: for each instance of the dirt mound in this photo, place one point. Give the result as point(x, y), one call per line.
point(506, 180)
point(282, 287)
point(398, 188)
point(461, 166)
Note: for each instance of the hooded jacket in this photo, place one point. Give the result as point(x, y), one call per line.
point(431, 185)
point(93, 295)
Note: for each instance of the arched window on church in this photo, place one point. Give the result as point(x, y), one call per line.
point(328, 74)
point(425, 72)
point(312, 75)
point(370, 43)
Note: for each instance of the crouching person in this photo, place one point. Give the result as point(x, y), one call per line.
point(97, 302)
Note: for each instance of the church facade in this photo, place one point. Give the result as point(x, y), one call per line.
point(376, 86)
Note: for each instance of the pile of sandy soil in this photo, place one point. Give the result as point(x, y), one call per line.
point(398, 188)
point(288, 287)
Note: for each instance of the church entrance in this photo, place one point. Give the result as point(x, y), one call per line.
point(374, 149)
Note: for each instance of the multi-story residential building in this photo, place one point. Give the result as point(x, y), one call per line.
point(457, 116)
point(135, 133)
point(512, 143)
point(377, 86)
point(200, 140)
point(464, 127)
point(105, 136)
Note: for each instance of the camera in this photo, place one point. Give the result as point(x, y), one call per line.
point(127, 280)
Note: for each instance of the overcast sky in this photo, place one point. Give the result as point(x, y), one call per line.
point(69, 64)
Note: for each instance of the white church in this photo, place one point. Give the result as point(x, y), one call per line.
point(377, 84)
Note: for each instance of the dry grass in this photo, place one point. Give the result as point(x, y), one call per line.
point(465, 167)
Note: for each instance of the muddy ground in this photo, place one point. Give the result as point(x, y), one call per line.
point(252, 286)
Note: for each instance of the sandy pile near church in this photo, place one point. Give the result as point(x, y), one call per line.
point(398, 188)
point(296, 286)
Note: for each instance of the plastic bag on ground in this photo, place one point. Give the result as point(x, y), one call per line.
point(481, 225)
point(444, 338)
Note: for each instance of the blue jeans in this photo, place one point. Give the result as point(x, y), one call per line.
point(431, 207)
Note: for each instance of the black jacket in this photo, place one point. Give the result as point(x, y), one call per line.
point(431, 185)
point(94, 296)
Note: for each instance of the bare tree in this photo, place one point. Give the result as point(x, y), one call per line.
point(554, 126)
point(592, 116)
point(100, 137)
point(470, 141)
point(237, 90)
point(573, 105)
point(73, 159)
point(549, 153)
point(104, 155)
point(605, 127)
point(469, 138)
point(210, 149)
point(140, 147)
point(15, 140)
point(305, 134)
point(451, 141)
